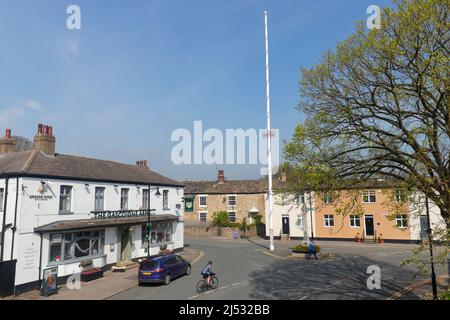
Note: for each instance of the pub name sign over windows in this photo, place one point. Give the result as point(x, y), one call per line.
point(98, 215)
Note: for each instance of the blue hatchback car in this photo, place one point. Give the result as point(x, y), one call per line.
point(163, 269)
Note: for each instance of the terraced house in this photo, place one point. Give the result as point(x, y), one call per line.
point(240, 198)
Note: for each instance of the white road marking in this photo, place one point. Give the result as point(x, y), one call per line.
point(235, 284)
point(221, 288)
point(193, 297)
point(208, 292)
point(303, 298)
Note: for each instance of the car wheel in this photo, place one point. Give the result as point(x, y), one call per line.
point(188, 270)
point(166, 279)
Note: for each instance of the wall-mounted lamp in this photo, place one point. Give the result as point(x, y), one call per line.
point(86, 185)
point(157, 192)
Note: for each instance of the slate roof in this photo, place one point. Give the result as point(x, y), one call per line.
point(228, 187)
point(35, 163)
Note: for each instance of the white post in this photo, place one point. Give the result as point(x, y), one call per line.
point(269, 138)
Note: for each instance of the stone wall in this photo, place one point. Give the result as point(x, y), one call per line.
point(200, 229)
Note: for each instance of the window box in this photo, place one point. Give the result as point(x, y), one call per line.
point(92, 274)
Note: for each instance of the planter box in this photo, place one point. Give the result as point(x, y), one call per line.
point(89, 276)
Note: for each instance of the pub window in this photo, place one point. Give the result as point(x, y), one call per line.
point(123, 199)
point(232, 216)
point(70, 246)
point(355, 221)
point(99, 199)
point(160, 233)
point(202, 201)
point(2, 192)
point(329, 220)
point(202, 216)
point(145, 199)
point(231, 200)
point(166, 199)
point(65, 199)
point(400, 196)
point(369, 196)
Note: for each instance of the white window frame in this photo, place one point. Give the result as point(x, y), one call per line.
point(200, 202)
point(403, 219)
point(353, 218)
point(328, 218)
point(368, 194)
point(328, 198)
point(200, 215)
point(145, 195)
point(95, 198)
point(228, 200)
point(127, 198)
point(235, 216)
point(300, 221)
point(70, 195)
point(400, 196)
point(165, 195)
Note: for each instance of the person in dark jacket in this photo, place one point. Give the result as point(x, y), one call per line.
point(312, 250)
point(207, 273)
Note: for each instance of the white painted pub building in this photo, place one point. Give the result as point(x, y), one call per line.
point(59, 210)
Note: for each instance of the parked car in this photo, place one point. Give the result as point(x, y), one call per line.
point(163, 269)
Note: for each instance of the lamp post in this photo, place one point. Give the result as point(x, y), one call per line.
point(430, 239)
point(311, 215)
point(148, 216)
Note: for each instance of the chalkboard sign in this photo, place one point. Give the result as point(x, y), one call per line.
point(49, 285)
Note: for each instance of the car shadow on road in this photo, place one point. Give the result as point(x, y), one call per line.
point(341, 279)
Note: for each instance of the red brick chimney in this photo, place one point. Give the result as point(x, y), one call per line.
point(7, 144)
point(221, 177)
point(44, 140)
point(142, 163)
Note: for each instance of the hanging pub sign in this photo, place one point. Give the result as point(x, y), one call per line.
point(49, 285)
point(189, 204)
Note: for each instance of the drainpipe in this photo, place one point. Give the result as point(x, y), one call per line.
point(4, 218)
point(15, 218)
point(40, 260)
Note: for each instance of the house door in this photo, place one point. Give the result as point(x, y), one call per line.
point(125, 245)
point(423, 227)
point(370, 231)
point(285, 223)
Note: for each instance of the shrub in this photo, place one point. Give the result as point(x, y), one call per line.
point(445, 295)
point(257, 219)
point(220, 219)
point(305, 249)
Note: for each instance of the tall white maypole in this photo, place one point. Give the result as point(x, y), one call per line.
point(269, 138)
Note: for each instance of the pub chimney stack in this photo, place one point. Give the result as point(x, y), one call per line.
point(44, 140)
point(221, 177)
point(7, 144)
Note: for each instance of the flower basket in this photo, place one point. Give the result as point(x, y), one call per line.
point(92, 274)
point(380, 239)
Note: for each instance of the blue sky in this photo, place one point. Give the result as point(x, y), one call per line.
point(137, 70)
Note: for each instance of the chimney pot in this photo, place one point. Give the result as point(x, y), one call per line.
point(8, 134)
point(50, 131)
point(221, 177)
point(44, 140)
point(39, 128)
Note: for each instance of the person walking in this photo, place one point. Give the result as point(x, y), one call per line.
point(312, 250)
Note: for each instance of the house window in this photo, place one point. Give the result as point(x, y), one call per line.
point(145, 194)
point(2, 192)
point(76, 245)
point(328, 198)
point(400, 196)
point(232, 216)
point(202, 216)
point(165, 199)
point(355, 221)
point(369, 196)
point(301, 198)
point(300, 221)
point(65, 199)
point(231, 200)
point(99, 199)
point(329, 220)
point(402, 221)
point(124, 199)
point(160, 233)
point(202, 201)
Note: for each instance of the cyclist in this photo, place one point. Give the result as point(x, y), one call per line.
point(207, 273)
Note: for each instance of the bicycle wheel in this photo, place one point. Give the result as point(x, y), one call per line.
point(201, 286)
point(214, 282)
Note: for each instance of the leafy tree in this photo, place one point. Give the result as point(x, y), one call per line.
point(379, 105)
point(220, 219)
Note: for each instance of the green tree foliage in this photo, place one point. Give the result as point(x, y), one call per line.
point(220, 219)
point(379, 105)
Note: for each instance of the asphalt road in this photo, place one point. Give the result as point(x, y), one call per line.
point(246, 272)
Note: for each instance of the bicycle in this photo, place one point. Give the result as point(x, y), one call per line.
point(202, 285)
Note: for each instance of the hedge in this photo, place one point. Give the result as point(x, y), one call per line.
point(305, 249)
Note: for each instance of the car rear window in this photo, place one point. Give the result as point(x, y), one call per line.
point(150, 264)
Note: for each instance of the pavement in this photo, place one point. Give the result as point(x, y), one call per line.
point(110, 284)
point(247, 270)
